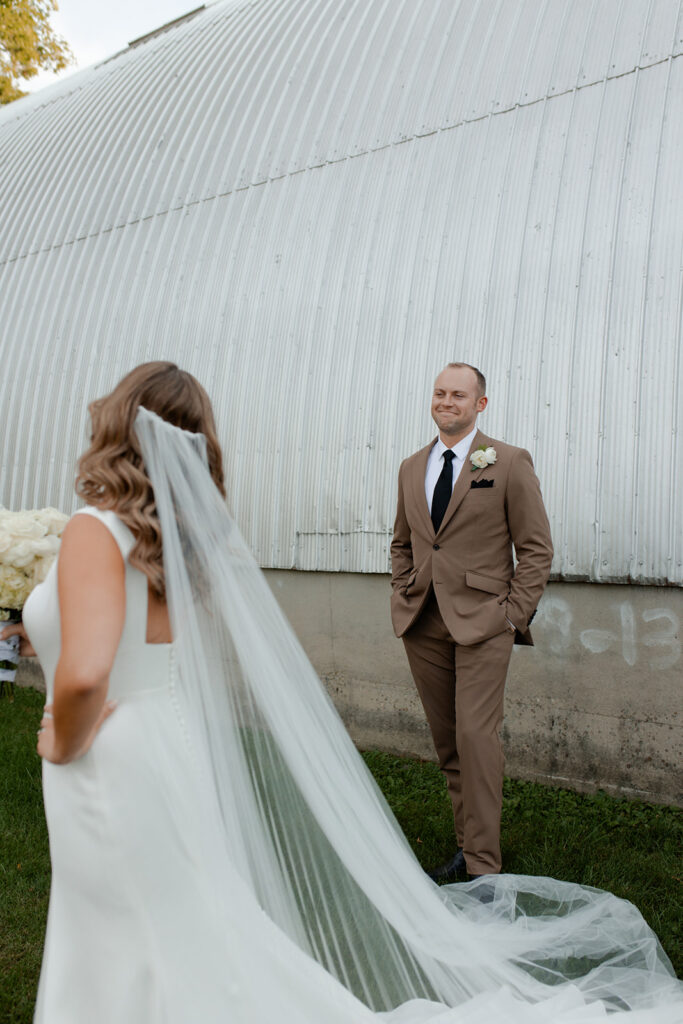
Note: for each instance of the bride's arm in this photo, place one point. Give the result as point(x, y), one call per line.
point(92, 607)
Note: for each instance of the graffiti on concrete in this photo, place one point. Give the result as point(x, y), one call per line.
point(652, 635)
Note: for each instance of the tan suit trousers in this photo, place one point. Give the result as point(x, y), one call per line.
point(461, 689)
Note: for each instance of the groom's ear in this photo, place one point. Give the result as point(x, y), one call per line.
point(482, 402)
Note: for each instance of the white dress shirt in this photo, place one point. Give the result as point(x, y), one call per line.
point(435, 463)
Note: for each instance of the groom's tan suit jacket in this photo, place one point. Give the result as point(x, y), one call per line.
point(469, 562)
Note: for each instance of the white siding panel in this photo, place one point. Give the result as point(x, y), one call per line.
point(566, 386)
point(313, 205)
point(663, 363)
point(661, 33)
point(620, 450)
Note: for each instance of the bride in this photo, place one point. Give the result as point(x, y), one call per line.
point(219, 851)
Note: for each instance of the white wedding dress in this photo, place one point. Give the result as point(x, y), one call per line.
point(135, 934)
point(222, 856)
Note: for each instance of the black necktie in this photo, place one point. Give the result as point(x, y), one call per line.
point(443, 490)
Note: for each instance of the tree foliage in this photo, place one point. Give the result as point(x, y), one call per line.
point(28, 44)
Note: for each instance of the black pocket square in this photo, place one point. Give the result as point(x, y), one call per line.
point(482, 483)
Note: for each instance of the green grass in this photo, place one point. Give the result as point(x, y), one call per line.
point(24, 857)
point(632, 849)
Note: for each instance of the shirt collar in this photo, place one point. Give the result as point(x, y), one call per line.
point(460, 449)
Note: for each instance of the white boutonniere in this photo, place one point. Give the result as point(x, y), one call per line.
point(482, 457)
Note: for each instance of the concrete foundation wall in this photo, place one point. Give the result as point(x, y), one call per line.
point(596, 704)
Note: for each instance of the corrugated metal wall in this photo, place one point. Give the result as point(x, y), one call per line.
point(313, 205)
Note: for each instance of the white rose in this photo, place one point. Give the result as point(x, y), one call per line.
point(40, 569)
point(53, 542)
point(490, 454)
point(52, 519)
point(22, 524)
point(478, 459)
point(45, 546)
point(14, 587)
point(28, 535)
point(20, 554)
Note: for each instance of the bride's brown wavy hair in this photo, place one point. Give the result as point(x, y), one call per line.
point(111, 473)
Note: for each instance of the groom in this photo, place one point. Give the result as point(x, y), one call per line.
point(459, 602)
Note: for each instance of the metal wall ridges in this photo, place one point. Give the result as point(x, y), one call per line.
point(313, 205)
point(249, 69)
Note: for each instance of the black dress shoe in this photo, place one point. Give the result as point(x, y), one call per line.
point(452, 869)
point(484, 893)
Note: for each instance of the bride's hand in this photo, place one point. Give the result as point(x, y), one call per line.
point(17, 629)
point(47, 746)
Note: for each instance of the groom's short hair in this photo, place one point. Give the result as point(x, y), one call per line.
point(481, 379)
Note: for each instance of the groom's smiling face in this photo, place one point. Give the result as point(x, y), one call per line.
point(456, 403)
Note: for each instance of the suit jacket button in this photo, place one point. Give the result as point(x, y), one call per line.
point(435, 546)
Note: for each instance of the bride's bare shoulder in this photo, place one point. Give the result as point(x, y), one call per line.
point(88, 541)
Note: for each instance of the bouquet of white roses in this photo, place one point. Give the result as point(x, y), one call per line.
point(29, 541)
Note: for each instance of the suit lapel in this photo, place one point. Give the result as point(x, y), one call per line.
point(464, 481)
point(419, 471)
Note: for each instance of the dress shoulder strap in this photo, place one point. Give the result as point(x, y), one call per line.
point(120, 532)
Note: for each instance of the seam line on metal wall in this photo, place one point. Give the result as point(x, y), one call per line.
point(636, 453)
point(342, 159)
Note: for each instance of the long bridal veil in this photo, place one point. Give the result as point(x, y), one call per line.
point(285, 801)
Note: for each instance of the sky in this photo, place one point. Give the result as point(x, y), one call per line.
point(95, 29)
